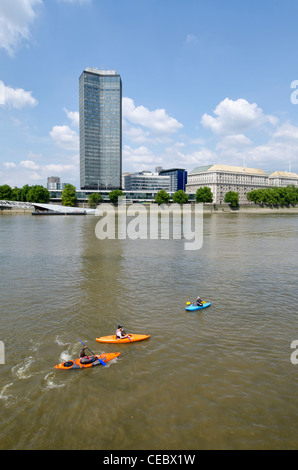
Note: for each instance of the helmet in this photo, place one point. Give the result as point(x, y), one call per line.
point(119, 326)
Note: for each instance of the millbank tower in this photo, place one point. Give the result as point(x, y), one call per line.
point(100, 106)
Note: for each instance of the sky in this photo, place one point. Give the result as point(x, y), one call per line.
point(203, 81)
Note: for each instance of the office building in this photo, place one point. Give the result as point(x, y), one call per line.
point(146, 181)
point(54, 183)
point(100, 105)
point(282, 179)
point(178, 178)
point(224, 178)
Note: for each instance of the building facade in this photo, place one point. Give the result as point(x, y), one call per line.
point(54, 183)
point(178, 178)
point(224, 178)
point(100, 105)
point(146, 181)
point(282, 179)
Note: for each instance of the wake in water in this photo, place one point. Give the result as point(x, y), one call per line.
point(22, 370)
point(6, 398)
point(49, 382)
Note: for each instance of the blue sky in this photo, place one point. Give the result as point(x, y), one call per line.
point(203, 82)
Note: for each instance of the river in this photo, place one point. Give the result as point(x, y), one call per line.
point(220, 378)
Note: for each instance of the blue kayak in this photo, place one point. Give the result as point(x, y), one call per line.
point(192, 308)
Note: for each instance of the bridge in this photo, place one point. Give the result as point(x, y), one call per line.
point(44, 209)
point(16, 205)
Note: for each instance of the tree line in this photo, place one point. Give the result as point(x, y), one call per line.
point(274, 196)
point(39, 194)
point(35, 193)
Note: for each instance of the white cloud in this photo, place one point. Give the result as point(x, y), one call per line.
point(16, 97)
point(59, 168)
point(9, 165)
point(140, 158)
point(135, 134)
point(287, 131)
point(157, 120)
point(234, 117)
point(29, 165)
point(65, 138)
point(73, 116)
point(16, 18)
point(235, 140)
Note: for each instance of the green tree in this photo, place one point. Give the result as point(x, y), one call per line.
point(274, 196)
point(38, 193)
point(232, 198)
point(94, 199)
point(24, 192)
point(204, 195)
point(69, 197)
point(162, 197)
point(5, 192)
point(255, 196)
point(291, 196)
point(270, 196)
point(180, 197)
point(16, 194)
point(113, 195)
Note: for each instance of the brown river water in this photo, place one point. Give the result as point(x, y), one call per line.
point(220, 378)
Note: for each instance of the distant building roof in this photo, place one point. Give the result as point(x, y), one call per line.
point(227, 168)
point(200, 169)
point(282, 174)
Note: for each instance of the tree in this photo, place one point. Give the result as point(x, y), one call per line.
point(94, 199)
point(162, 197)
point(180, 197)
point(69, 197)
point(204, 195)
point(5, 192)
point(16, 194)
point(274, 196)
point(255, 196)
point(113, 195)
point(232, 198)
point(24, 192)
point(38, 193)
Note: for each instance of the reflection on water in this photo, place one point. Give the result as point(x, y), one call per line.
point(219, 378)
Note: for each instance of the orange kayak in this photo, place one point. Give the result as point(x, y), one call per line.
point(97, 360)
point(112, 339)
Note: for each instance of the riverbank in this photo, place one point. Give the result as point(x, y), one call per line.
point(14, 211)
point(248, 209)
point(207, 209)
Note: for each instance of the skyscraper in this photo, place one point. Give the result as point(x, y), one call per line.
point(100, 96)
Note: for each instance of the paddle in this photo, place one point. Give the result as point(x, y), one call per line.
point(99, 360)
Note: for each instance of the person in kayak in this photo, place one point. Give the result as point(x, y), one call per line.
point(120, 333)
point(199, 302)
point(84, 359)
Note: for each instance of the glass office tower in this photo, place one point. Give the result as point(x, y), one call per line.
point(100, 129)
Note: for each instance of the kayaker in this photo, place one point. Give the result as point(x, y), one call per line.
point(84, 359)
point(120, 333)
point(199, 302)
point(82, 353)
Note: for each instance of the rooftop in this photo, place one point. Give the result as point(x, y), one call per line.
point(100, 72)
point(228, 169)
point(282, 174)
